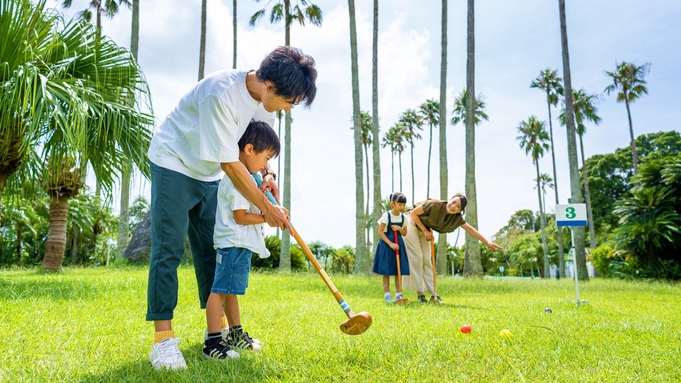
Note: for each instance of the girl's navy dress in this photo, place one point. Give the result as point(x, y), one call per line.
point(385, 262)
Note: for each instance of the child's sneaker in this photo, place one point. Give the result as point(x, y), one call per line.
point(388, 298)
point(220, 351)
point(422, 299)
point(167, 355)
point(436, 299)
point(241, 339)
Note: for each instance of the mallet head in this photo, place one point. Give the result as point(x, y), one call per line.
point(357, 324)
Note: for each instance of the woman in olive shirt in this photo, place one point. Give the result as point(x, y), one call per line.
point(440, 216)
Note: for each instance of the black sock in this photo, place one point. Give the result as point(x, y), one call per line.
point(213, 339)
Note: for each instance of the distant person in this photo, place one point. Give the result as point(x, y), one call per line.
point(191, 151)
point(385, 260)
point(440, 216)
point(238, 234)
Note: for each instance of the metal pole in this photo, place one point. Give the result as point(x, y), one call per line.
point(574, 264)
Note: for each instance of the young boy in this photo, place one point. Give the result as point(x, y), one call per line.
point(238, 234)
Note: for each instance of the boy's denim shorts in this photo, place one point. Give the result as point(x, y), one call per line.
point(231, 271)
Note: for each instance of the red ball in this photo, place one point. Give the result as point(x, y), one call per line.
point(465, 329)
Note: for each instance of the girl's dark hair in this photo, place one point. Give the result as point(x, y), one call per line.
point(292, 72)
point(261, 136)
point(398, 197)
point(463, 200)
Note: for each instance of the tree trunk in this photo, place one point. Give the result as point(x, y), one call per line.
point(561, 252)
point(361, 259)
point(631, 133)
point(279, 114)
point(442, 238)
point(575, 187)
point(413, 193)
point(589, 214)
point(202, 46)
point(542, 221)
point(56, 237)
point(399, 156)
point(430, 151)
point(285, 254)
point(234, 33)
point(472, 266)
point(392, 178)
point(376, 149)
point(367, 222)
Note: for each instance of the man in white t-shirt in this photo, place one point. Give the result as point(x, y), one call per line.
point(192, 149)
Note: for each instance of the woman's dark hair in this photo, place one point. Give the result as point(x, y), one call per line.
point(292, 72)
point(398, 197)
point(463, 200)
point(261, 136)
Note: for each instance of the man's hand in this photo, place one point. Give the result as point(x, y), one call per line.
point(428, 234)
point(277, 216)
point(269, 184)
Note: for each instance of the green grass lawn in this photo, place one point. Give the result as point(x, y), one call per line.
point(87, 325)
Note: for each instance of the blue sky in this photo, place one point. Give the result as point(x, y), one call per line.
point(515, 40)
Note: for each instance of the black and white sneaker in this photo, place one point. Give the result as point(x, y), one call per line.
point(241, 340)
point(422, 299)
point(220, 351)
point(436, 299)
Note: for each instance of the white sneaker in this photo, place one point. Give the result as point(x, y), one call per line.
point(225, 336)
point(165, 354)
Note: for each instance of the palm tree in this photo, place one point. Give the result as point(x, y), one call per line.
point(534, 139)
point(444, 172)
point(549, 82)
point(81, 112)
point(584, 106)
point(545, 181)
point(575, 187)
point(459, 111)
point(390, 140)
point(412, 124)
point(397, 139)
point(361, 257)
point(378, 209)
point(628, 81)
point(365, 124)
point(109, 8)
point(301, 11)
point(430, 113)
point(124, 216)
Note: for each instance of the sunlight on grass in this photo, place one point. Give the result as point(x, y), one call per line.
point(88, 325)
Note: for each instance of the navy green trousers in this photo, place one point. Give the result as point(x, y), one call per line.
point(180, 205)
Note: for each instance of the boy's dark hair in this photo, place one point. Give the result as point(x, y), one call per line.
point(261, 136)
point(398, 197)
point(292, 72)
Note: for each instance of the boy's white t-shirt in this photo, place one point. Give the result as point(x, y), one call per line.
point(205, 127)
point(230, 234)
point(394, 220)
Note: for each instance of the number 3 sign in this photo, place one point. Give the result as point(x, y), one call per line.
point(573, 214)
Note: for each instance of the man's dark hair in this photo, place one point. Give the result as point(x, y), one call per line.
point(292, 72)
point(261, 136)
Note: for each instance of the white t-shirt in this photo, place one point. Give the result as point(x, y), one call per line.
point(230, 234)
point(394, 220)
point(205, 127)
